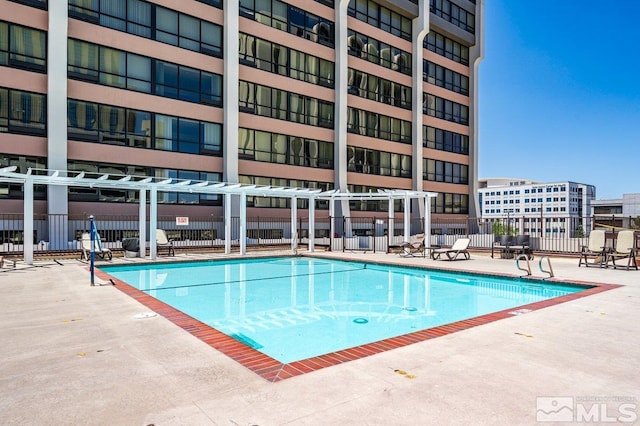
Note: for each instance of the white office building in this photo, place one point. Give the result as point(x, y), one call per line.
point(537, 208)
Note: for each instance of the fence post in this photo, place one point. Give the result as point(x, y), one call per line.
point(258, 225)
point(212, 230)
point(373, 225)
point(344, 227)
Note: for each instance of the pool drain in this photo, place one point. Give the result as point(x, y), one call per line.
point(360, 320)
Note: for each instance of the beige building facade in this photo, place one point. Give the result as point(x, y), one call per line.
point(351, 95)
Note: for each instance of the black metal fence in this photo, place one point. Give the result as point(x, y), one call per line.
point(62, 233)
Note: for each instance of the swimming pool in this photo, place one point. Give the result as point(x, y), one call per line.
point(296, 308)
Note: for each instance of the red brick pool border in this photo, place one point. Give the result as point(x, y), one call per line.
point(274, 371)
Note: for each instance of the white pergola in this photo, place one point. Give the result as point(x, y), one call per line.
point(153, 185)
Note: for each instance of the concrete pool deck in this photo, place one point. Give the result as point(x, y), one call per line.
point(75, 354)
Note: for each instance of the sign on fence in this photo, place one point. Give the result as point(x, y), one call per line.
point(182, 220)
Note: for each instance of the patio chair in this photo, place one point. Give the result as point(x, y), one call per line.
point(162, 242)
point(413, 247)
point(522, 246)
point(595, 252)
point(452, 253)
point(101, 252)
point(503, 244)
point(624, 250)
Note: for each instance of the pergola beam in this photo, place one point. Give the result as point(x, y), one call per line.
point(154, 185)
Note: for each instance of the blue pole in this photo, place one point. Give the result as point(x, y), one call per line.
point(92, 230)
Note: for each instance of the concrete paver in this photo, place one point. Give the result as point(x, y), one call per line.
point(75, 354)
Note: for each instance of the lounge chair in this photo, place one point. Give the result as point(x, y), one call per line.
point(162, 242)
point(101, 252)
point(458, 248)
point(595, 253)
point(413, 247)
point(625, 249)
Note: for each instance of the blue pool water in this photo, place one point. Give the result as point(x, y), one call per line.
point(293, 308)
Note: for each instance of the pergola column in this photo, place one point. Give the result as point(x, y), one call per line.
point(427, 221)
point(332, 224)
point(407, 222)
point(227, 223)
point(392, 225)
point(294, 220)
point(243, 223)
point(312, 224)
point(142, 223)
point(27, 238)
point(153, 221)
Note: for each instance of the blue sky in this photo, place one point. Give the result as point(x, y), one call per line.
point(559, 93)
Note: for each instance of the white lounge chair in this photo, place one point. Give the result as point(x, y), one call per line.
point(458, 248)
point(413, 247)
point(162, 242)
point(101, 252)
point(595, 252)
point(625, 249)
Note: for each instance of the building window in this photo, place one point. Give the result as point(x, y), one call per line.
point(284, 149)
point(15, 191)
point(278, 202)
point(116, 68)
point(381, 163)
point(451, 203)
point(378, 89)
point(444, 77)
point(23, 112)
point(444, 46)
point(379, 16)
point(379, 126)
point(445, 140)
point(40, 4)
point(453, 13)
point(214, 3)
point(283, 105)
point(141, 129)
point(188, 136)
point(329, 3)
point(23, 47)
point(444, 171)
point(278, 59)
point(152, 21)
point(282, 16)
point(379, 53)
point(116, 171)
point(445, 109)
point(370, 205)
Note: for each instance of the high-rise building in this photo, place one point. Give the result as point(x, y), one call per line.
point(352, 95)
